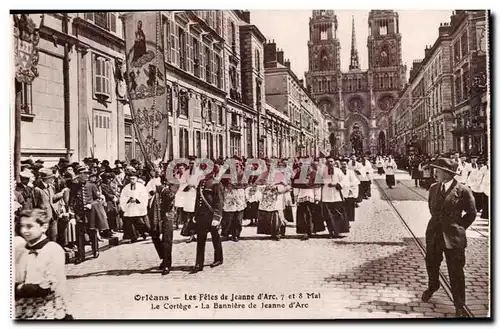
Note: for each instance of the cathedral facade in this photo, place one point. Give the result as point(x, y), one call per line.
point(357, 101)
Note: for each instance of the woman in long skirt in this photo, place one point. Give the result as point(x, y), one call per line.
point(390, 168)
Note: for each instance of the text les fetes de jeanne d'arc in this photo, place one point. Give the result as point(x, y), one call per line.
point(187, 302)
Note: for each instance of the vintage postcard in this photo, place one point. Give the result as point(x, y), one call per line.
point(251, 164)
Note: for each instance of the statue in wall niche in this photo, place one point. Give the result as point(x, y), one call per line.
point(356, 139)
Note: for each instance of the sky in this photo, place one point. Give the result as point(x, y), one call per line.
point(290, 31)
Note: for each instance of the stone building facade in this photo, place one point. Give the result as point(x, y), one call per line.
point(471, 104)
point(358, 99)
point(287, 94)
point(446, 97)
point(75, 107)
point(429, 98)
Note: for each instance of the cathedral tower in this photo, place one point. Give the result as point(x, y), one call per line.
point(356, 102)
point(354, 65)
point(323, 77)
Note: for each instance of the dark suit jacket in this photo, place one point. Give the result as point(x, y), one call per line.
point(447, 219)
point(27, 196)
point(45, 198)
point(204, 215)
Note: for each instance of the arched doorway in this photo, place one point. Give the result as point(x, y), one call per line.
point(381, 143)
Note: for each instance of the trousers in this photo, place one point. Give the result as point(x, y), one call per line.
point(455, 261)
point(80, 240)
point(163, 245)
point(200, 246)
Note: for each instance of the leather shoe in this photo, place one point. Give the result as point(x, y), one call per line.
point(305, 237)
point(215, 264)
point(196, 269)
point(428, 294)
point(166, 271)
point(236, 239)
point(162, 266)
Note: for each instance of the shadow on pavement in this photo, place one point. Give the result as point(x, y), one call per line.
point(401, 274)
point(152, 270)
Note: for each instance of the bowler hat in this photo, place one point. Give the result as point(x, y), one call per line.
point(445, 164)
point(28, 161)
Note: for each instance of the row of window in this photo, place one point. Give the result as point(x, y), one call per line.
point(436, 97)
point(433, 70)
point(106, 21)
point(462, 82)
point(190, 53)
point(386, 81)
point(461, 47)
point(210, 138)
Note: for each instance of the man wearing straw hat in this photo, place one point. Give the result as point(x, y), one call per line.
point(448, 199)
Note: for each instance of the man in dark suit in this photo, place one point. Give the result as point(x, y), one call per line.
point(446, 231)
point(45, 198)
point(25, 190)
point(207, 216)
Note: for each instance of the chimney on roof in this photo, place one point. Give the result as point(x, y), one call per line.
point(269, 52)
point(287, 63)
point(444, 29)
point(280, 56)
point(245, 15)
point(427, 50)
point(301, 82)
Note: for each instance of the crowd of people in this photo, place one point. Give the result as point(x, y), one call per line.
point(154, 199)
point(473, 172)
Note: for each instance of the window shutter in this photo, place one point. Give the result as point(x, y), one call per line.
point(89, 16)
point(175, 51)
point(202, 61)
point(112, 22)
point(177, 46)
point(94, 64)
point(214, 69)
point(190, 53)
point(166, 38)
point(108, 77)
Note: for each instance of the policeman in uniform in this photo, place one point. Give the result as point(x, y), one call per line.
point(207, 217)
point(80, 199)
point(446, 231)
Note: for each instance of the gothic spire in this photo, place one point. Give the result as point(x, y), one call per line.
point(354, 51)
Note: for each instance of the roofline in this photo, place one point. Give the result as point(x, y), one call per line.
point(440, 39)
point(256, 30)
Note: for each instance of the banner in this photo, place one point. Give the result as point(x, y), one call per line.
point(146, 82)
point(26, 38)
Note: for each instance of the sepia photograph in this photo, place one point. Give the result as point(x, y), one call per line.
point(222, 164)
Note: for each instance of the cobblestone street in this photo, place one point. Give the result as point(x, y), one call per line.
point(415, 211)
point(375, 271)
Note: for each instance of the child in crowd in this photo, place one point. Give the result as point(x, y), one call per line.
point(40, 280)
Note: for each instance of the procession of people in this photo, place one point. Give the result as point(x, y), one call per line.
point(215, 196)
